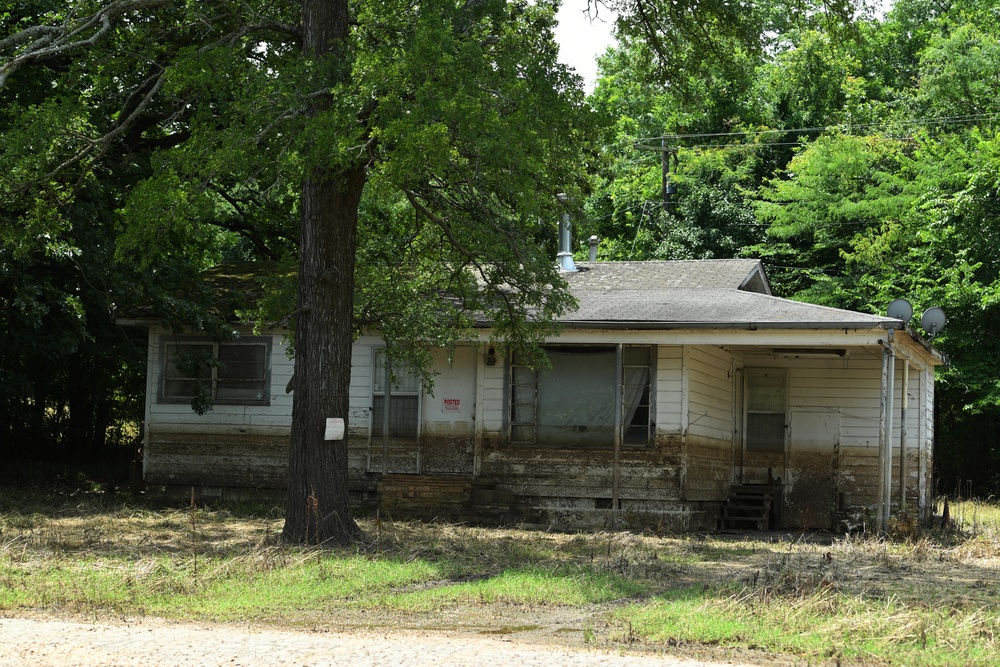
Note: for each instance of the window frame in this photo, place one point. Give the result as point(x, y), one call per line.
point(523, 432)
point(749, 441)
point(212, 382)
point(394, 392)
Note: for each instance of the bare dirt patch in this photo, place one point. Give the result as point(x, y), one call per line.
point(159, 643)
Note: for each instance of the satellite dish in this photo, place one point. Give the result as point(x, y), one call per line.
point(933, 320)
point(900, 309)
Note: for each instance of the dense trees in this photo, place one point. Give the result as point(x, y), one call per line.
point(380, 155)
point(859, 163)
point(426, 142)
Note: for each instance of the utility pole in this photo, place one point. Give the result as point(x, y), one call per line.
point(666, 153)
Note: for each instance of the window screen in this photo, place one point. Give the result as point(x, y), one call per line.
point(403, 398)
point(227, 372)
point(242, 372)
point(573, 403)
point(766, 398)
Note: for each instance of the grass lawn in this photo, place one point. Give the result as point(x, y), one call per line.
point(926, 598)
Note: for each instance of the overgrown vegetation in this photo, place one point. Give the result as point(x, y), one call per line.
point(923, 598)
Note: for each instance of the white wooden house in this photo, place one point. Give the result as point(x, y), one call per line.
point(675, 389)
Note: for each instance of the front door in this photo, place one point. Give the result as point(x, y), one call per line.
point(762, 456)
point(394, 443)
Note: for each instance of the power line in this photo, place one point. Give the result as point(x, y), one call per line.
point(939, 120)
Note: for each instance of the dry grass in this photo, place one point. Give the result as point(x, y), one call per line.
point(926, 597)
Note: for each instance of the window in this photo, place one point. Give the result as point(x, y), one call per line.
point(636, 407)
point(573, 403)
point(766, 396)
point(233, 372)
point(403, 398)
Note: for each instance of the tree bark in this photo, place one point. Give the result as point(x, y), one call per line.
point(317, 510)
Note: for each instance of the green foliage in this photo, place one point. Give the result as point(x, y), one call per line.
point(856, 157)
point(191, 121)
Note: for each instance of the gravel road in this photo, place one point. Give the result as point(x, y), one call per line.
point(156, 643)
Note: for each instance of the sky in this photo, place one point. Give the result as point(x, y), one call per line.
point(581, 41)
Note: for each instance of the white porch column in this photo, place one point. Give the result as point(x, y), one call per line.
point(884, 505)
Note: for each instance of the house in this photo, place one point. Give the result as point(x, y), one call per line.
point(676, 390)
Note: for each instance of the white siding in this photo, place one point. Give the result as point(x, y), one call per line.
point(230, 445)
point(362, 359)
point(710, 400)
point(669, 389)
point(179, 417)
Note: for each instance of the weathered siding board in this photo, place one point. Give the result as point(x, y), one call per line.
point(217, 460)
point(544, 472)
point(710, 402)
point(228, 446)
point(858, 475)
point(926, 435)
point(669, 388)
point(709, 439)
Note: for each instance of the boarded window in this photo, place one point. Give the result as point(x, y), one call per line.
point(573, 403)
point(224, 373)
point(766, 401)
point(403, 398)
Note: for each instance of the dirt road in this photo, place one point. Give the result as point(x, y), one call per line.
point(156, 643)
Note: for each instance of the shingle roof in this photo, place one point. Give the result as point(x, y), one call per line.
point(700, 293)
point(695, 274)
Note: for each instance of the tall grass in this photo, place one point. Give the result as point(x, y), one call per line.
point(926, 598)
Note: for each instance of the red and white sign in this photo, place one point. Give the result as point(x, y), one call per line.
point(452, 405)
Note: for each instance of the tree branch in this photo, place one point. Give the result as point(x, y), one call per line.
point(53, 41)
point(273, 26)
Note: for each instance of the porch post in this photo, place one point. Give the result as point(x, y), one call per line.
point(386, 394)
point(903, 405)
point(478, 412)
point(884, 504)
point(616, 460)
point(923, 436)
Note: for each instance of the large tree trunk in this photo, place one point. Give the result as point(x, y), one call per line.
point(317, 511)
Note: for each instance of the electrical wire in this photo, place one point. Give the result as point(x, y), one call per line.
point(939, 120)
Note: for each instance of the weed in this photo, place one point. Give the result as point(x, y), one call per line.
point(926, 598)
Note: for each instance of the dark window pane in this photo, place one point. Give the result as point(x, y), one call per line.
point(576, 398)
point(765, 432)
point(402, 416)
point(636, 356)
point(241, 372)
point(186, 367)
point(242, 362)
point(240, 390)
point(182, 388)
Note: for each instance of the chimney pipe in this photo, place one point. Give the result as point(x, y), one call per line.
point(593, 248)
point(565, 256)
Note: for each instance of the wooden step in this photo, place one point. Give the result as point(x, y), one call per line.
point(748, 506)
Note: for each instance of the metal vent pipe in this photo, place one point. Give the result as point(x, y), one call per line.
point(565, 256)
